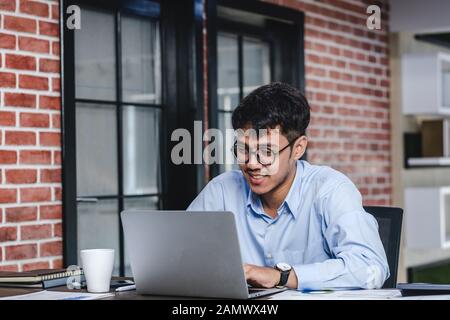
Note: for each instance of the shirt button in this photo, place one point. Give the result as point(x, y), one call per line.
point(269, 256)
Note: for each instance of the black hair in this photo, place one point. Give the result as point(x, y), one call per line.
point(271, 105)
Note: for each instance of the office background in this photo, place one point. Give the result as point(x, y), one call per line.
point(86, 115)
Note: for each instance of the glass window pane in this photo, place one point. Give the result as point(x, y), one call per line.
point(95, 75)
point(141, 156)
point(447, 216)
point(141, 71)
point(256, 63)
point(225, 123)
point(445, 84)
point(96, 145)
point(98, 228)
point(228, 73)
point(149, 203)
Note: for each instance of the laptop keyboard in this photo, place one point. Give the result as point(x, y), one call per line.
point(253, 290)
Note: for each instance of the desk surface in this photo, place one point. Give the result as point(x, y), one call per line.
point(132, 295)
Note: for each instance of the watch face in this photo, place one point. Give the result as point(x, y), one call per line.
point(283, 266)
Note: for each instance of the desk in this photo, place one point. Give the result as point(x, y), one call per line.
point(132, 295)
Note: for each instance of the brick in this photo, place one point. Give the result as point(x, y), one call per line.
point(21, 214)
point(57, 230)
point(58, 194)
point(7, 5)
point(35, 266)
point(56, 49)
point(56, 121)
point(49, 65)
point(20, 138)
point(51, 212)
point(21, 176)
point(8, 195)
point(7, 118)
point(55, 12)
point(35, 157)
point(34, 232)
point(56, 84)
point(57, 263)
point(34, 120)
point(34, 45)
point(53, 248)
point(50, 175)
point(20, 100)
point(57, 157)
point(50, 139)
point(9, 267)
point(20, 62)
point(7, 80)
point(38, 194)
point(19, 24)
point(49, 28)
point(8, 157)
point(33, 82)
point(8, 234)
point(20, 252)
point(48, 102)
point(34, 8)
point(7, 41)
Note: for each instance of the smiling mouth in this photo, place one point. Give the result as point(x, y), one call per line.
point(256, 178)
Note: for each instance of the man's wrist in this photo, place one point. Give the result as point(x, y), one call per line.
point(275, 275)
point(284, 270)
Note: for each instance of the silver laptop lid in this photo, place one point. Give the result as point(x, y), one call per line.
point(184, 253)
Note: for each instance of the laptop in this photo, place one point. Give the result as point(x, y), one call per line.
point(179, 253)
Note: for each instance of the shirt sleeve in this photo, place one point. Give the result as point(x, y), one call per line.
point(351, 234)
point(209, 199)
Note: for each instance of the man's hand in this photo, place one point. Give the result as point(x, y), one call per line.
point(262, 277)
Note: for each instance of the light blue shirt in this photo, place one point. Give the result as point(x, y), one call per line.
point(321, 229)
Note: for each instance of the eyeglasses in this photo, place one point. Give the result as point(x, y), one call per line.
point(264, 155)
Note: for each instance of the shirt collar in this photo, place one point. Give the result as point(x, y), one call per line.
point(291, 202)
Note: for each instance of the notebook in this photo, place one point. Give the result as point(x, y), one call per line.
point(45, 278)
point(423, 289)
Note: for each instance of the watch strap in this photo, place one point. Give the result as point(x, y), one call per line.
point(284, 276)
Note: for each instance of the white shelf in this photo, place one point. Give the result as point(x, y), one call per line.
point(426, 84)
point(428, 162)
point(427, 217)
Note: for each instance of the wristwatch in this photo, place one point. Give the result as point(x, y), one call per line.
point(284, 269)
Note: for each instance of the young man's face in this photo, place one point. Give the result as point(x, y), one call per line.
point(264, 178)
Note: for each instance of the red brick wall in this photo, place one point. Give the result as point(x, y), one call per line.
point(347, 85)
point(30, 149)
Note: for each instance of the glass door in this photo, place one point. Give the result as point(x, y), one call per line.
point(243, 64)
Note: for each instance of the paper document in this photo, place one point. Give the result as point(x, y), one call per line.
point(58, 295)
point(381, 294)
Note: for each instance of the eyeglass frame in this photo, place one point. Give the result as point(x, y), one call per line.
point(275, 153)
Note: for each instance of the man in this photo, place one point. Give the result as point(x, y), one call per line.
point(299, 225)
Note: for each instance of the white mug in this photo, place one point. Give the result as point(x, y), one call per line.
point(97, 265)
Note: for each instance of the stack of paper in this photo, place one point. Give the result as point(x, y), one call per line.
point(59, 295)
point(381, 294)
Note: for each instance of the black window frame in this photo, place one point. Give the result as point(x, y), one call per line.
point(284, 46)
point(181, 104)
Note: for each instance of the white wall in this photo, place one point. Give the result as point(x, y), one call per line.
point(419, 15)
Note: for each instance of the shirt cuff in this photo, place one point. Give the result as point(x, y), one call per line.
point(307, 274)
